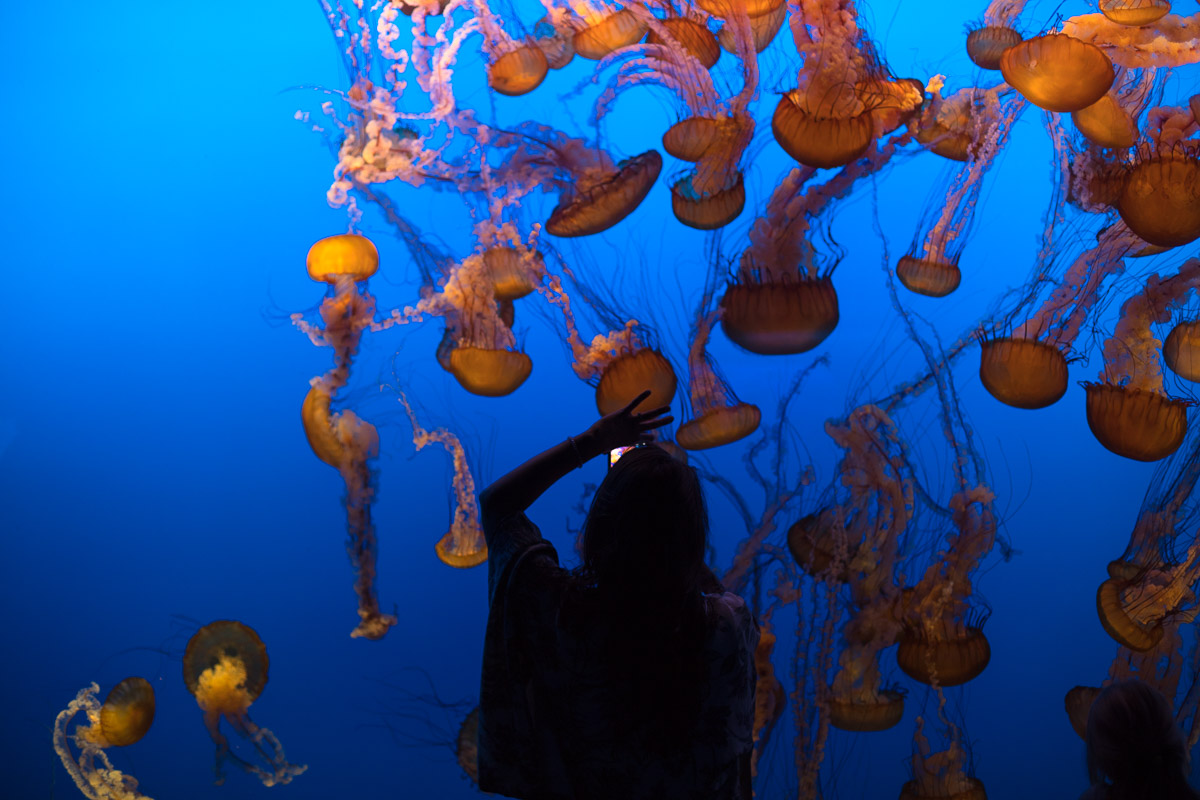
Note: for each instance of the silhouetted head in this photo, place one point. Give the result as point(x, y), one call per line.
point(1134, 745)
point(647, 530)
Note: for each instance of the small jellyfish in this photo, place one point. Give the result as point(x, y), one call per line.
point(515, 66)
point(692, 35)
point(601, 28)
point(986, 43)
point(1078, 703)
point(124, 718)
point(1135, 13)
point(464, 545)
point(719, 418)
point(1058, 72)
point(947, 653)
point(943, 774)
point(1181, 350)
point(225, 668)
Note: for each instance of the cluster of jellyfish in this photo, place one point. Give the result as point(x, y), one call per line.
point(880, 565)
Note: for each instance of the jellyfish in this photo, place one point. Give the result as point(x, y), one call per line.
point(514, 66)
point(594, 192)
point(462, 546)
point(343, 440)
point(931, 266)
point(555, 35)
point(986, 43)
point(719, 418)
point(1160, 201)
point(1028, 367)
point(1128, 411)
point(782, 298)
point(123, 719)
point(225, 668)
point(620, 364)
point(944, 774)
point(1181, 350)
point(1169, 41)
point(601, 28)
point(770, 698)
point(1058, 72)
point(765, 18)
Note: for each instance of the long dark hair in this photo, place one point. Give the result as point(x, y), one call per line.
point(1134, 745)
point(643, 559)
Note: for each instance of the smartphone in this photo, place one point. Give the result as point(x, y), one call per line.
point(615, 455)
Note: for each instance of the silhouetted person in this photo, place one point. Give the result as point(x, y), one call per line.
point(632, 676)
point(1135, 750)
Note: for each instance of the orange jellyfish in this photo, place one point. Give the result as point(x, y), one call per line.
point(1028, 367)
point(123, 719)
point(463, 546)
point(689, 31)
point(782, 299)
point(1078, 703)
point(1128, 411)
point(225, 668)
point(1058, 72)
point(1135, 13)
point(931, 266)
point(594, 192)
point(620, 364)
point(555, 34)
point(944, 774)
point(343, 440)
point(1160, 201)
point(986, 43)
point(1169, 41)
point(1181, 350)
point(864, 533)
point(770, 698)
point(601, 27)
point(718, 417)
point(514, 66)
point(765, 18)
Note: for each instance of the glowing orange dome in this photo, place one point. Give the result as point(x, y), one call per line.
point(780, 318)
point(1058, 72)
point(986, 45)
point(690, 138)
point(632, 373)
point(518, 71)
point(1160, 200)
point(598, 37)
point(1119, 624)
point(512, 278)
point(763, 28)
point(1181, 350)
point(347, 255)
point(707, 212)
point(489, 373)
point(1023, 373)
point(719, 426)
point(127, 713)
point(1135, 423)
point(956, 656)
point(693, 35)
point(1106, 124)
point(822, 142)
point(1135, 13)
point(221, 642)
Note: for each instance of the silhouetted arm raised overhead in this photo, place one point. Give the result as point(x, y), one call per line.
point(516, 491)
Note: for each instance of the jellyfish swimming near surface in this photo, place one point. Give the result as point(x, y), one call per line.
point(342, 439)
point(123, 719)
point(462, 546)
point(225, 668)
point(718, 417)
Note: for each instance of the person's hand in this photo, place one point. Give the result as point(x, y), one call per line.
point(626, 427)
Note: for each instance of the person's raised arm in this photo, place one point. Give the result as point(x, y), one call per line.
point(517, 490)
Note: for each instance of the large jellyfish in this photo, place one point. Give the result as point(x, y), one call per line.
point(782, 298)
point(1128, 411)
point(463, 545)
point(123, 719)
point(343, 440)
point(225, 667)
point(1057, 72)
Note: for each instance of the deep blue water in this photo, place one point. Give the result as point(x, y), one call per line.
point(155, 475)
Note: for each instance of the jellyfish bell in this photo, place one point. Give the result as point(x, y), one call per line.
point(1115, 617)
point(703, 211)
point(127, 713)
point(692, 138)
point(813, 543)
point(867, 716)
point(1058, 72)
point(1160, 197)
point(631, 373)
point(1023, 373)
point(599, 207)
point(971, 790)
point(764, 27)
point(489, 372)
point(513, 273)
point(1135, 13)
point(557, 44)
point(693, 36)
point(949, 655)
point(986, 44)
point(892, 102)
point(346, 255)
point(1139, 424)
point(1181, 350)
point(518, 70)
point(932, 277)
point(719, 426)
point(1106, 124)
point(780, 318)
point(816, 139)
point(1078, 703)
point(337, 439)
point(600, 32)
point(466, 750)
